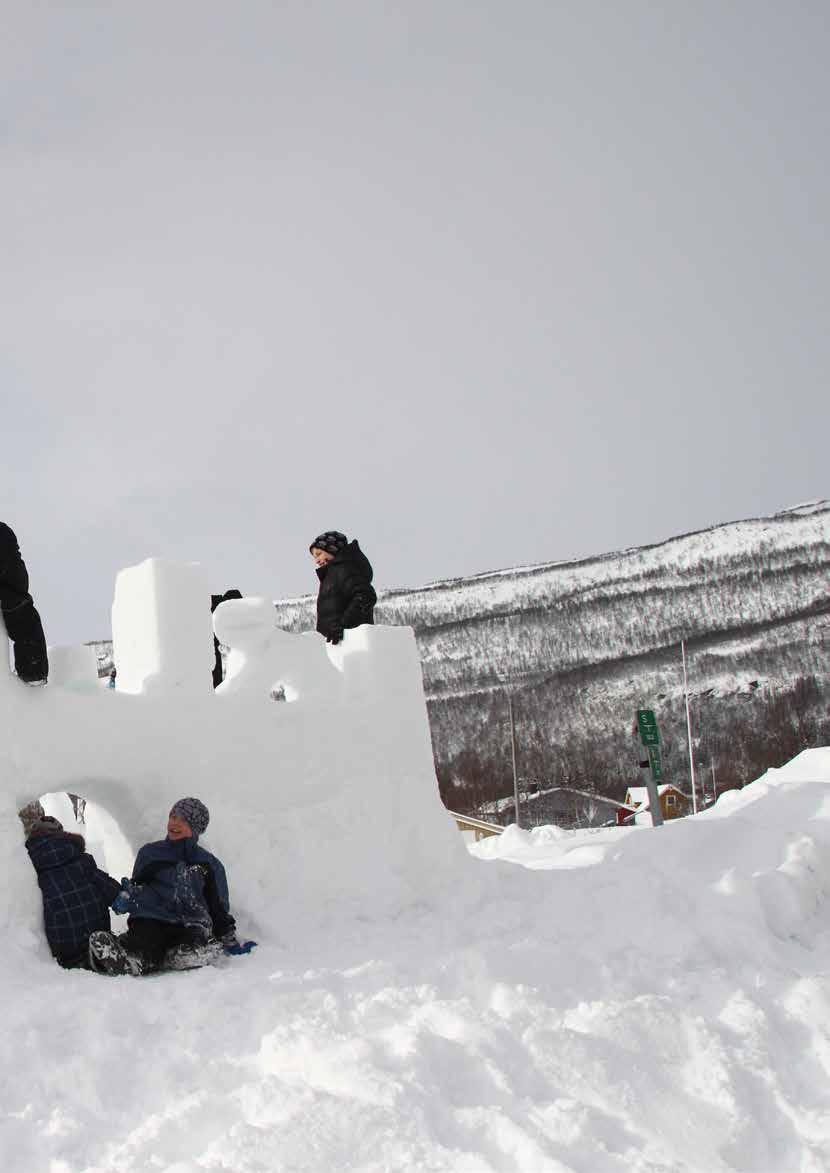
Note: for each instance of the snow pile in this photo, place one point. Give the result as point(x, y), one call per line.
point(633, 999)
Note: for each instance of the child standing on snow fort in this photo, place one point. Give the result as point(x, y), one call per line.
point(346, 597)
point(19, 614)
point(178, 904)
point(76, 894)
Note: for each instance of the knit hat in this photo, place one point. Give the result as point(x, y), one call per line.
point(30, 814)
point(332, 541)
point(194, 813)
point(36, 821)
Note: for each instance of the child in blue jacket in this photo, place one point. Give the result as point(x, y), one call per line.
point(177, 900)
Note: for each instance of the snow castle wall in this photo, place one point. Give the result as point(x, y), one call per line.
point(324, 805)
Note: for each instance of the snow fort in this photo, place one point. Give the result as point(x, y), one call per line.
point(315, 761)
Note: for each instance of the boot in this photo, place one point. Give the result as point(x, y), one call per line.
point(107, 955)
point(192, 956)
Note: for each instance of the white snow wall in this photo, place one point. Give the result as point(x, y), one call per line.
point(324, 806)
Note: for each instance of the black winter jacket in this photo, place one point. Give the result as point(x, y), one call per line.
point(76, 893)
point(20, 615)
point(14, 581)
point(346, 597)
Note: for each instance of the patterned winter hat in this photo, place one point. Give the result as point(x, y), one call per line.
point(194, 813)
point(36, 821)
point(331, 541)
point(30, 814)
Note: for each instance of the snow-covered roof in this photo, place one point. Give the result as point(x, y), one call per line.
point(639, 794)
point(497, 805)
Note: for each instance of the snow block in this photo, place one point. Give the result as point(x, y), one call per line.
point(161, 629)
point(73, 667)
point(263, 659)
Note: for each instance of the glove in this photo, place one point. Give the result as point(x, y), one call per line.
point(335, 635)
point(233, 947)
point(239, 948)
point(121, 904)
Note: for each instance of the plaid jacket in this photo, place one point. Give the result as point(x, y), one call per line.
point(76, 893)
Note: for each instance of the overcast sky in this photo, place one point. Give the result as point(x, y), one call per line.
point(478, 283)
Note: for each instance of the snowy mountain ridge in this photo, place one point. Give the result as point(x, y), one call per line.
point(303, 604)
point(518, 587)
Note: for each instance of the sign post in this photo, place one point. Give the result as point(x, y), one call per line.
point(653, 766)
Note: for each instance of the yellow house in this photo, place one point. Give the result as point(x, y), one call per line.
point(673, 802)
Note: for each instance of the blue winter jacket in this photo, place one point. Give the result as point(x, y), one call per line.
point(180, 883)
point(76, 893)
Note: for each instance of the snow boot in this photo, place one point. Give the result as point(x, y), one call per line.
point(108, 956)
point(192, 956)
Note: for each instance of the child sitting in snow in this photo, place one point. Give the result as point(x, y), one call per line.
point(76, 893)
point(177, 900)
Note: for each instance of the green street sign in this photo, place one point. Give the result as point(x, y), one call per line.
point(647, 725)
point(655, 761)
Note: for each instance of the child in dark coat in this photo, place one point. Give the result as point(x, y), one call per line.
point(76, 894)
point(346, 597)
point(177, 900)
point(20, 615)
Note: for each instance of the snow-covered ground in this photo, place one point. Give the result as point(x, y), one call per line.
point(641, 1000)
point(635, 999)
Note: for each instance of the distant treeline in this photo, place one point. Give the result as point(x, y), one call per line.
point(740, 735)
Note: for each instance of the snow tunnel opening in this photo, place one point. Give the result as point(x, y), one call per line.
point(104, 838)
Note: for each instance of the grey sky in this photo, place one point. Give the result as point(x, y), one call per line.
point(479, 283)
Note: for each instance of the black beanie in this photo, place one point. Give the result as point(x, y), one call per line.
point(332, 542)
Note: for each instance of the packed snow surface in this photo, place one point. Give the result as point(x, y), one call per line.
point(628, 999)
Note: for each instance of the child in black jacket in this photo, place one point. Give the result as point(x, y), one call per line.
point(19, 613)
point(346, 597)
